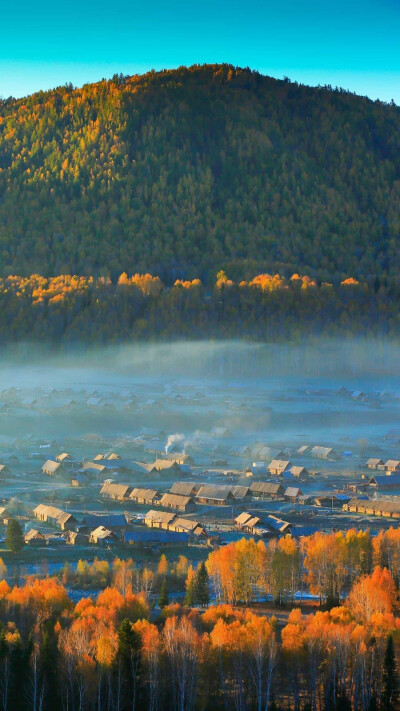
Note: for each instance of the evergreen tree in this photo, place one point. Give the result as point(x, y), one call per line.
point(49, 665)
point(14, 536)
point(128, 658)
point(163, 600)
point(390, 686)
point(201, 591)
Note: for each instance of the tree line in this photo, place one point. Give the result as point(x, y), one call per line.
point(69, 309)
point(117, 652)
point(113, 654)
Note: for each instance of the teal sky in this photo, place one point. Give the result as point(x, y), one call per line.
point(350, 43)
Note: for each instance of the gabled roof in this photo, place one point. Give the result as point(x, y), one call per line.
point(50, 466)
point(293, 492)
point(240, 492)
point(101, 532)
point(184, 488)
point(107, 520)
point(276, 524)
point(373, 461)
point(147, 494)
point(252, 522)
point(155, 535)
point(186, 523)
point(33, 534)
point(161, 464)
point(174, 500)
point(213, 491)
point(298, 471)
point(279, 464)
point(392, 463)
point(62, 457)
point(264, 487)
point(54, 513)
point(321, 451)
point(118, 490)
point(163, 517)
point(93, 466)
point(141, 467)
point(385, 481)
point(303, 449)
point(242, 518)
point(376, 505)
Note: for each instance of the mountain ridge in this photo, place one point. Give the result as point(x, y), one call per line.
point(183, 172)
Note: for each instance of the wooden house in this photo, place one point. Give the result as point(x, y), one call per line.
point(324, 453)
point(374, 463)
point(277, 525)
point(51, 468)
point(278, 466)
point(4, 515)
point(55, 516)
point(215, 495)
point(328, 501)
point(178, 503)
point(385, 481)
point(103, 536)
point(159, 519)
point(116, 522)
point(186, 525)
point(299, 472)
point(266, 490)
point(144, 496)
point(292, 493)
point(247, 522)
point(119, 492)
point(241, 492)
point(184, 488)
point(392, 465)
point(77, 538)
point(304, 449)
point(34, 538)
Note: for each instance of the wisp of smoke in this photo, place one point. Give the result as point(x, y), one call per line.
point(172, 440)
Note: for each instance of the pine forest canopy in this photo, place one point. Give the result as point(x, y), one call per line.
point(184, 172)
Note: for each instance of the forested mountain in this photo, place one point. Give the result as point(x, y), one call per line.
point(184, 172)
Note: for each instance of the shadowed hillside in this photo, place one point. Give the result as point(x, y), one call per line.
point(183, 172)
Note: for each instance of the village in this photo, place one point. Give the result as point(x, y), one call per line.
point(94, 462)
point(153, 490)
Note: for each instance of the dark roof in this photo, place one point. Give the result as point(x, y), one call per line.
point(155, 535)
point(385, 481)
point(106, 520)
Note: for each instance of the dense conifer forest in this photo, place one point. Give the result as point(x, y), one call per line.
point(185, 172)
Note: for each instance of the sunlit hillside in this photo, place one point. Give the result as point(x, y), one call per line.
point(184, 172)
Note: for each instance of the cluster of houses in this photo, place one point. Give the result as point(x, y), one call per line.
point(94, 528)
point(108, 465)
point(169, 521)
point(390, 479)
point(390, 466)
point(185, 496)
point(249, 523)
point(111, 529)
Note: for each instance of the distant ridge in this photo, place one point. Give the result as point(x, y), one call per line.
point(187, 171)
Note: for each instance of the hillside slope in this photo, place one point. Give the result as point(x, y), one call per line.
point(183, 172)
